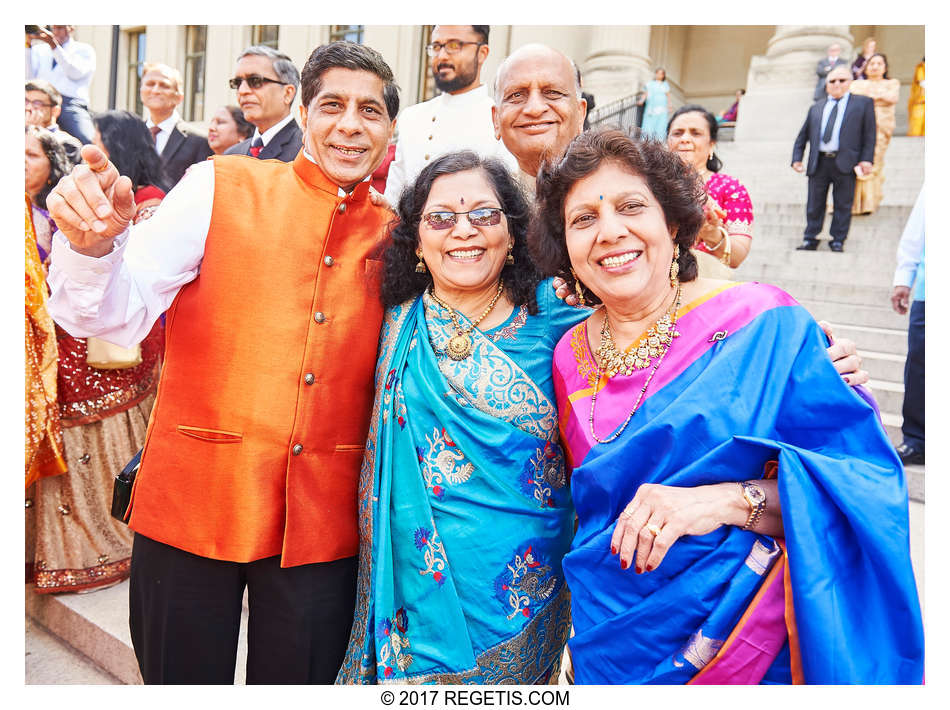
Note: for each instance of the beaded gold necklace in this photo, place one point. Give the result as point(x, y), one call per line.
point(654, 344)
point(460, 345)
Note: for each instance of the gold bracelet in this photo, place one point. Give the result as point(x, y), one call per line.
point(726, 257)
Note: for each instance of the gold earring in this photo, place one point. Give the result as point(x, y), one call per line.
point(421, 266)
point(510, 259)
point(578, 289)
point(674, 266)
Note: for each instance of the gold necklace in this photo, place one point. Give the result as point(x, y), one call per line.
point(460, 345)
point(668, 321)
point(641, 355)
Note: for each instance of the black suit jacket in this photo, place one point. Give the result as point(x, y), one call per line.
point(186, 146)
point(855, 141)
point(284, 146)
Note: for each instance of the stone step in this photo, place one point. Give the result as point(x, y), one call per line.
point(889, 395)
point(804, 290)
point(49, 661)
point(883, 366)
point(883, 340)
point(96, 625)
point(769, 263)
point(864, 316)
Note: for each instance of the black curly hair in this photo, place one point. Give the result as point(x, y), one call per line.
point(131, 148)
point(675, 185)
point(400, 280)
point(59, 164)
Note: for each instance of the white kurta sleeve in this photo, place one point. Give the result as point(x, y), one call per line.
point(118, 297)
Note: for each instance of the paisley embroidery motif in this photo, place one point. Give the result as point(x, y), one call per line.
point(543, 474)
point(443, 462)
point(510, 331)
point(760, 558)
point(586, 368)
point(699, 650)
point(427, 540)
point(393, 644)
point(527, 582)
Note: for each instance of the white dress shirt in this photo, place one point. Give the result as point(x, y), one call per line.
point(910, 250)
point(447, 123)
point(832, 145)
point(75, 64)
point(161, 139)
point(268, 135)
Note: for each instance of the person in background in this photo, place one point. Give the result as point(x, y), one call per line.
point(869, 190)
point(589, 98)
point(228, 127)
point(909, 291)
point(179, 144)
point(840, 132)
point(266, 82)
point(52, 54)
point(103, 407)
point(459, 118)
point(742, 517)
point(726, 233)
point(825, 65)
point(43, 106)
point(916, 103)
point(126, 142)
point(381, 174)
point(46, 163)
point(868, 49)
point(732, 113)
point(657, 105)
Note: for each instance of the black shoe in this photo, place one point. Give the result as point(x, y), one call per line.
point(910, 454)
point(836, 246)
point(807, 246)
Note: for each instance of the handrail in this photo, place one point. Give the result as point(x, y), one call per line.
point(624, 113)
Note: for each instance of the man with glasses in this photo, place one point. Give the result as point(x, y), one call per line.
point(43, 106)
point(840, 131)
point(52, 54)
point(457, 119)
point(179, 144)
point(266, 82)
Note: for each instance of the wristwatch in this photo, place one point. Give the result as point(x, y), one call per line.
point(755, 497)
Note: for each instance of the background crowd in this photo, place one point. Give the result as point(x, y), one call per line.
point(89, 401)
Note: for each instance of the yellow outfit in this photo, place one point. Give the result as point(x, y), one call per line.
point(869, 189)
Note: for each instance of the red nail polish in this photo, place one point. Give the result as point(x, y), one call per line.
point(613, 550)
point(649, 568)
point(639, 570)
point(623, 564)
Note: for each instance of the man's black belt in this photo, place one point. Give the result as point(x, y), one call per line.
point(828, 154)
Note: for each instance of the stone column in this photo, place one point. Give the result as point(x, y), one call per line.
point(618, 62)
point(781, 84)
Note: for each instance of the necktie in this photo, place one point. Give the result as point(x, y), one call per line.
point(155, 131)
point(257, 146)
point(830, 126)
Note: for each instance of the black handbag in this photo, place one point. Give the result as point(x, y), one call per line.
point(122, 488)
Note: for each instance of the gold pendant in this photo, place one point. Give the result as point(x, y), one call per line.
point(459, 347)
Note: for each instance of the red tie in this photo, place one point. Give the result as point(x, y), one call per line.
point(155, 131)
point(257, 146)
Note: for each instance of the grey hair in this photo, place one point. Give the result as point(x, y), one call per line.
point(496, 86)
point(283, 66)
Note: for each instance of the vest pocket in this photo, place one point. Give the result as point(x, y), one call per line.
point(215, 436)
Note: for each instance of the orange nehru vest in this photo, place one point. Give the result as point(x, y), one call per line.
point(255, 441)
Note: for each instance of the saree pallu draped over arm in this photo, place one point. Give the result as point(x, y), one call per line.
point(747, 383)
point(465, 513)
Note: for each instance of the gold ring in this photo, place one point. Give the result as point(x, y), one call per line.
point(655, 529)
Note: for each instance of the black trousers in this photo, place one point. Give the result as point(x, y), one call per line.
point(913, 410)
point(827, 175)
point(185, 615)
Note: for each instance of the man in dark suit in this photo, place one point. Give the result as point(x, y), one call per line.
point(266, 82)
point(840, 131)
point(178, 143)
point(825, 65)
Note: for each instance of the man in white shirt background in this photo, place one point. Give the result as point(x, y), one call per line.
point(52, 54)
point(458, 119)
point(179, 144)
point(266, 82)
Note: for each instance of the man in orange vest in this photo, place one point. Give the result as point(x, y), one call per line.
point(269, 272)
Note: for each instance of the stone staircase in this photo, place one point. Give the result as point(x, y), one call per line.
point(850, 290)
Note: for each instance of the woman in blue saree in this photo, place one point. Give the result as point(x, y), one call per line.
point(465, 512)
point(742, 516)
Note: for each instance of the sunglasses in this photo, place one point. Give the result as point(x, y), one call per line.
point(255, 81)
point(837, 81)
point(453, 46)
point(481, 217)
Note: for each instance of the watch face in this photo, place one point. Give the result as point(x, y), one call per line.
point(755, 494)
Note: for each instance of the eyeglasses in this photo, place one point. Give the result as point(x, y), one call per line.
point(453, 46)
point(36, 103)
point(481, 217)
point(255, 81)
point(837, 81)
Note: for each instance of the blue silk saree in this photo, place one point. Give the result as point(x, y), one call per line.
point(746, 388)
point(465, 510)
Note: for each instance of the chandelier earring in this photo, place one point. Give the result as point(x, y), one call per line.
point(510, 259)
point(578, 290)
point(675, 266)
point(421, 266)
